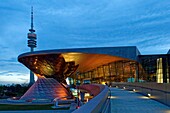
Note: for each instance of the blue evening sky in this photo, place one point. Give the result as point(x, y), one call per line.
point(80, 23)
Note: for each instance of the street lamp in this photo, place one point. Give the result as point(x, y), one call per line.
point(78, 104)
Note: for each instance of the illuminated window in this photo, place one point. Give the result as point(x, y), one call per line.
point(159, 73)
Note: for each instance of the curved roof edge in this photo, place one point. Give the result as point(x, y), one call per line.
point(130, 52)
point(168, 52)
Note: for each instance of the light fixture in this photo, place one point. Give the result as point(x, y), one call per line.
point(87, 100)
point(112, 97)
point(149, 94)
point(134, 90)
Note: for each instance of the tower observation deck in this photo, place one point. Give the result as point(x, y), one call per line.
point(32, 36)
point(32, 43)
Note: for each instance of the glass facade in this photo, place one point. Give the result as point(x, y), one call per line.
point(119, 71)
point(149, 68)
point(156, 67)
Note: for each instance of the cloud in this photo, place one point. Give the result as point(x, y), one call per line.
point(13, 59)
point(24, 79)
point(77, 23)
point(10, 77)
point(107, 23)
point(10, 64)
point(9, 73)
point(3, 47)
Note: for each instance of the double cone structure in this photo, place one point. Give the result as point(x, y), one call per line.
point(46, 88)
point(52, 71)
point(49, 65)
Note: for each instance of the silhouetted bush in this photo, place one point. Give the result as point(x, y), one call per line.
point(13, 90)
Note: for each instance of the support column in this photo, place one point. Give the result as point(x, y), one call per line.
point(32, 81)
point(109, 72)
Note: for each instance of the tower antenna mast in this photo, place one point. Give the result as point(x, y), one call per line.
point(32, 18)
point(32, 43)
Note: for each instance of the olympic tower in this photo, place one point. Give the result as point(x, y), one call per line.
point(32, 43)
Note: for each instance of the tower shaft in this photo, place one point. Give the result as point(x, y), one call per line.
point(32, 43)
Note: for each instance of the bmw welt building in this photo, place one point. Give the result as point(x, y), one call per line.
point(99, 65)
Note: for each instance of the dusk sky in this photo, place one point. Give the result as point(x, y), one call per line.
point(80, 23)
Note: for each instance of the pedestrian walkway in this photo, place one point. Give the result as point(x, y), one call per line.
point(123, 101)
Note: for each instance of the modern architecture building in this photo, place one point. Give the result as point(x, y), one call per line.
point(119, 64)
point(99, 65)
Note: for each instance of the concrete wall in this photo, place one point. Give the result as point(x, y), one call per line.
point(96, 105)
point(159, 92)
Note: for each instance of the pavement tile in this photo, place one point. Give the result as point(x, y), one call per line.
point(130, 102)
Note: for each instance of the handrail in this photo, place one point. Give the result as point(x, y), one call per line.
point(107, 105)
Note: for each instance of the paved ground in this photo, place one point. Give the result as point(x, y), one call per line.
point(123, 101)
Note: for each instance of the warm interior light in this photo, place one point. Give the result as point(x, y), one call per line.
point(159, 71)
point(14, 98)
point(87, 94)
point(143, 97)
point(104, 83)
point(149, 94)
point(112, 97)
point(167, 111)
point(134, 90)
point(35, 62)
point(124, 87)
point(87, 100)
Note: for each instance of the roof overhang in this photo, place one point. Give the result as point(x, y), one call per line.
point(86, 61)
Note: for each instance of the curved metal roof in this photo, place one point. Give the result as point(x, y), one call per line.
point(85, 61)
point(129, 52)
point(62, 63)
